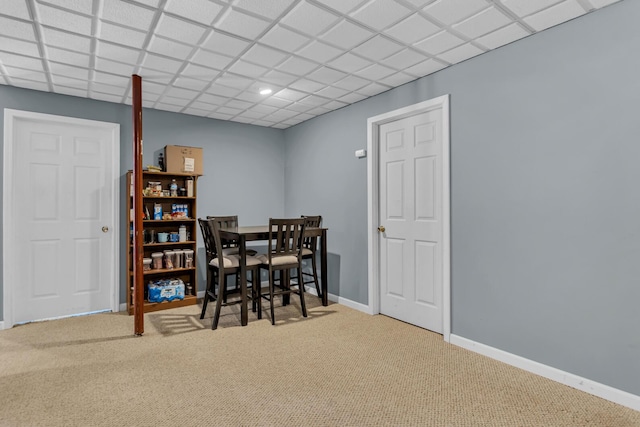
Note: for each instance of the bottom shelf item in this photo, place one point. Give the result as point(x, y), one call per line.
point(166, 290)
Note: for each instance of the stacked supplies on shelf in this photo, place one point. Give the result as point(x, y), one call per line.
point(166, 290)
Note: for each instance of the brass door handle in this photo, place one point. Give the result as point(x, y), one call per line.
point(381, 229)
point(105, 229)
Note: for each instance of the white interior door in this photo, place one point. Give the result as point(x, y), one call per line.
point(63, 234)
point(413, 234)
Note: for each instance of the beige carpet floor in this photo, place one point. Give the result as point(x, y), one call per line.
point(338, 367)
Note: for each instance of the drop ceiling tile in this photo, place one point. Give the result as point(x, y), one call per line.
point(66, 40)
point(165, 99)
point(346, 35)
point(70, 83)
point(281, 115)
point(263, 109)
point(151, 87)
point(452, 11)
point(247, 69)
point(161, 63)
point(113, 67)
point(17, 9)
point(241, 119)
point(105, 97)
point(21, 73)
point(250, 97)
point(419, 4)
point(233, 81)
point(68, 57)
point(380, 14)
point(314, 100)
point(212, 99)
point(152, 3)
point(210, 59)
point(352, 83)
point(460, 53)
point(555, 15)
point(225, 91)
point(412, 29)
point(352, 98)
point(264, 55)
point(224, 44)
point(306, 85)
point(378, 48)
point(284, 39)
point(397, 79)
point(177, 92)
point(198, 72)
point(155, 76)
point(80, 6)
point(349, 63)
point(122, 35)
point(425, 68)
point(439, 43)
point(309, 19)
point(109, 89)
point(326, 75)
point(403, 59)
point(263, 123)
point(63, 20)
point(69, 71)
point(241, 105)
point(17, 29)
point(204, 106)
point(299, 107)
point(334, 105)
point(482, 23)
point(274, 101)
point(111, 79)
point(297, 66)
point(127, 14)
point(189, 83)
point(342, 6)
point(503, 36)
point(375, 72)
point(168, 107)
point(180, 30)
point(29, 84)
point(228, 110)
point(373, 89)
point(203, 11)
point(150, 97)
point(278, 78)
point(318, 111)
point(290, 95)
point(20, 61)
point(19, 46)
point(269, 9)
point(241, 24)
point(320, 52)
point(220, 116)
point(332, 92)
point(169, 48)
point(252, 114)
point(117, 53)
point(523, 8)
point(63, 90)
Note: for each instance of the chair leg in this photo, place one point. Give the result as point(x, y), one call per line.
point(315, 276)
point(206, 293)
point(301, 292)
point(216, 314)
point(271, 285)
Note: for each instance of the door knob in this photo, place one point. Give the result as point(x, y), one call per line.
point(105, 229)
point(381, 229)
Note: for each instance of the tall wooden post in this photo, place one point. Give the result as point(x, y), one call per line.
point(138, 250)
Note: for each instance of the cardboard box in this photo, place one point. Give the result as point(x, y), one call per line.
point(181, 159)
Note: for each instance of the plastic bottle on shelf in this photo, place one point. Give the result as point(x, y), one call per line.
point(173, 188)
point(161, 161)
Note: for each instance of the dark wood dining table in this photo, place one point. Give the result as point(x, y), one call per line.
point(261, 232)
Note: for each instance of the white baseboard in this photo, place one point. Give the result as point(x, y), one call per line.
point(1, 325)
point(351, 304)
point(583, 384)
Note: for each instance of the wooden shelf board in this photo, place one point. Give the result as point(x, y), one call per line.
point(156, 306)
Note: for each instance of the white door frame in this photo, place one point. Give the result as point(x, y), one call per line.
point(9, 273)
point(373, 176)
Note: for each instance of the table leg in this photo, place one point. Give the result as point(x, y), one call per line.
point(323, 267)
point(244, 317)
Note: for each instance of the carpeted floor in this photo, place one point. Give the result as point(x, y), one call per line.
point(338, 367)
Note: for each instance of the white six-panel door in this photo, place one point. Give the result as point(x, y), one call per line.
point(411, 242)
point(62, 207)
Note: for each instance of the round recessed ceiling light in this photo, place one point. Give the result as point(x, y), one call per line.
point(265, 91)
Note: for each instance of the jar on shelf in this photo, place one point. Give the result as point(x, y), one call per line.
point(173, 188)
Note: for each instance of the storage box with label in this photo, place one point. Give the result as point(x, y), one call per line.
point(182, 159)
point(166, 290)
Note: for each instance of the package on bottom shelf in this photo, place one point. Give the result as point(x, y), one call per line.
point(166, 290)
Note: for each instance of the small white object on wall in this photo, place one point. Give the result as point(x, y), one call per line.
point(361, 153)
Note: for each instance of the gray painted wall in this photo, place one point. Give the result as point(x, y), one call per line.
point(243, 164)
point(545, 208)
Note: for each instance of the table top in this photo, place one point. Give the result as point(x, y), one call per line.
point(261, 232)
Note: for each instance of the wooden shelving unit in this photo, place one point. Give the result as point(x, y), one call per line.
point(187, 275)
